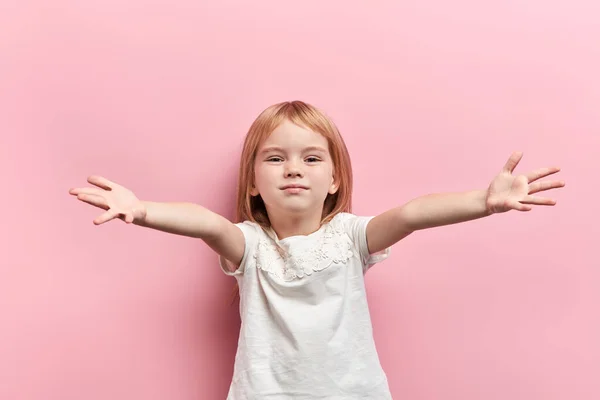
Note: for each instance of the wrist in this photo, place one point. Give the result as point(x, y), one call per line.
point(482, 196)
point(140, 212)
point(487, 205)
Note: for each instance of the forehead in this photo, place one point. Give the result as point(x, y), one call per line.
point(292, 136)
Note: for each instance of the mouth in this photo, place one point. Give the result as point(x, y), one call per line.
point(294, 188)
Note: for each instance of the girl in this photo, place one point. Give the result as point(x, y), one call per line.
point(299, 255)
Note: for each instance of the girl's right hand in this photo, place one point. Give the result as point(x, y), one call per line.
point(119, 202)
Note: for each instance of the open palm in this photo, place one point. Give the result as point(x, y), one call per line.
point(119, 202)
point(510, 192)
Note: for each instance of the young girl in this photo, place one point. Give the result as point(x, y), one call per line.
point(299, 255)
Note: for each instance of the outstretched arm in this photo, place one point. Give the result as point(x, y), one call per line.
point(506, 192)
point(185, 219)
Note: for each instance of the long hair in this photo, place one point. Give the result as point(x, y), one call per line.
point(252, 208)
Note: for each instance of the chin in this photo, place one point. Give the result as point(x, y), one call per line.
point(288, 207)
point(295, 208)
point(294, 204)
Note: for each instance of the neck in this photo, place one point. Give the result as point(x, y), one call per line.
point(286, 225)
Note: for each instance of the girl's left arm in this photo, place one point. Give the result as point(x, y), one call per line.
point(506, 192)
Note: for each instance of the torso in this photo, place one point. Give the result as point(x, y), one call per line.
point(306, 330)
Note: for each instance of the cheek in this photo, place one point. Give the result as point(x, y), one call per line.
point(323, 177)
point(262, 176)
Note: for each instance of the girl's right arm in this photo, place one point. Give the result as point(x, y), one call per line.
point(185, 219)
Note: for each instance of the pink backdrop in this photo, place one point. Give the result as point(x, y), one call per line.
point(431, 96)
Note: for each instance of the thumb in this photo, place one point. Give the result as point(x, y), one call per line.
point(128, 218)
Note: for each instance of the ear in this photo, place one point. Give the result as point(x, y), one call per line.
point(253, 191)
point(333, 188)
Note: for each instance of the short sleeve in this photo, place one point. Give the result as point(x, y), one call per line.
point(356, 227)
point(250, 231)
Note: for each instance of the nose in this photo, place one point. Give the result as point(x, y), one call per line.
point(292, 170)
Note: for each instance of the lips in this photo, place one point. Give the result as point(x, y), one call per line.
point(294, 186)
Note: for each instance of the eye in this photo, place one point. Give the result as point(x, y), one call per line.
point(312, 159)
point(275, 159)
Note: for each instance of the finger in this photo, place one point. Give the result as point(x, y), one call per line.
point(519, 206)
point(540, 173)
point(539, 201)
point(101, 182)
point(512, 162)
point(128, 218)
point(541, 186)
point(87, 190)
point(97, 201)
point(105, 217)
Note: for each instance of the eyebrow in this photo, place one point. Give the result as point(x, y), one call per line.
point(309, 148)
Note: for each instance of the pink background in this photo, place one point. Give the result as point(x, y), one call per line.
point(431, 96)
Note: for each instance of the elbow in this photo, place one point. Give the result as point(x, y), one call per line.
point(405, 218)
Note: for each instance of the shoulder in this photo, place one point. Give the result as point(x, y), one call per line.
point(350, 223)
point(355, 227)
point(254, 234)
point(249, 228)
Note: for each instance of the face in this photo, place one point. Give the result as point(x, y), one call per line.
point(294, 170)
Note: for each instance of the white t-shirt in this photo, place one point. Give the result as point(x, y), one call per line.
point(306, 330)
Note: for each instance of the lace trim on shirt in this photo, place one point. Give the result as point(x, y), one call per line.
point(333, 246)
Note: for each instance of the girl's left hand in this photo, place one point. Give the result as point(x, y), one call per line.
point(508, 192)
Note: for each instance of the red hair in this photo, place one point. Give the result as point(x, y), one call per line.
point(252, 208)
